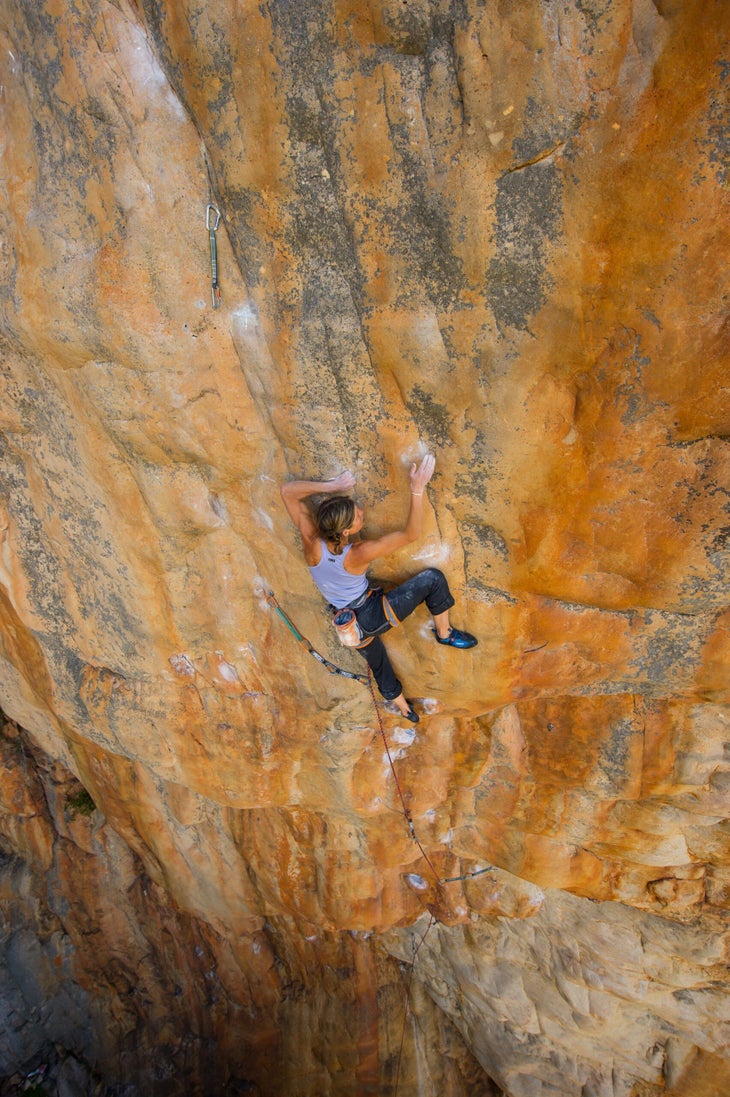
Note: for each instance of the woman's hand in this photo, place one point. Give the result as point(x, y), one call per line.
point(344, 482)
point(421, 474)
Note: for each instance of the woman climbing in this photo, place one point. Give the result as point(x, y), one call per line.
point(338, 566)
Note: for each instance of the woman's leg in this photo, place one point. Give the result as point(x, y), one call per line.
point(372, 618)
point(441, 621)
point(377, 659)
point(428, 586)
point(403, 707)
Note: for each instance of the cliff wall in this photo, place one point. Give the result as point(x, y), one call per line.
point(495, 231)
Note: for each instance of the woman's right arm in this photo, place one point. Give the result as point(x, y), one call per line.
point(364, 552)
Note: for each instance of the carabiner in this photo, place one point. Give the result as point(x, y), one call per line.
point(208, 218)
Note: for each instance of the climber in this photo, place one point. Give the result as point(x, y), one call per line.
point(338, 566)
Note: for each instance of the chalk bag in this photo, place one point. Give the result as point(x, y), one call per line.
point(348, 631)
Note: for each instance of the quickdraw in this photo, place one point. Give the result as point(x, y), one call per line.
point(331, 667)
point(212, 220)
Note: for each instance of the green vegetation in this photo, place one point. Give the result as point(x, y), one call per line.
point(80, 804)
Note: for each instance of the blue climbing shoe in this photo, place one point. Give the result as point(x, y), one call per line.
point(457, 639)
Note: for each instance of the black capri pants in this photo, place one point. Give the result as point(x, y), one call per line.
point(381, 612)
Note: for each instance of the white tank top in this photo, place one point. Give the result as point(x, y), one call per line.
point(333, 582)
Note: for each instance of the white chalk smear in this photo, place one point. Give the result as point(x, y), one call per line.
point(182, 665)
point(245, 319)
point(417, 882)
point(227, 672)
point(265, 518)
point(261, 589)
point(404, 735)
point(439, 554)
point(245, 651)
point(414, 453)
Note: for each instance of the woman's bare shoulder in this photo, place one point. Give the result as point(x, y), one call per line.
point(312, 551)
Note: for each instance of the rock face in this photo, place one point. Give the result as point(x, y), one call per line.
point(492, 230)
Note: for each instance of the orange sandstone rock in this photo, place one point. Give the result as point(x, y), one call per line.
point(497, 232)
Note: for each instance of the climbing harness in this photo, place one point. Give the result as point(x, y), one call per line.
point(212, 220)
point(331, 667)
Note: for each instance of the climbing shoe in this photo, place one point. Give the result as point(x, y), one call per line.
point(411, 715)
point(457, 639)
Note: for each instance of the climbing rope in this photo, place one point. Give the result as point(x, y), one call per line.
point(368, 681)
point(439, 880)
point(406, 809)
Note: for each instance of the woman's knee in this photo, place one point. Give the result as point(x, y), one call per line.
point(436, 579)
point(439, 597)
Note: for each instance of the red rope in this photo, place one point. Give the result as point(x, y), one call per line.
point(406, 809)
point(439, 880)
